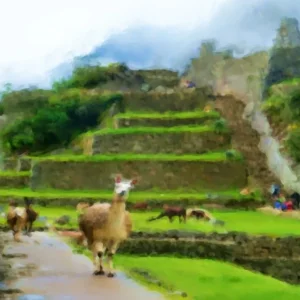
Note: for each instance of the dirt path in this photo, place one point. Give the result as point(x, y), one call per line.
point(47, 267)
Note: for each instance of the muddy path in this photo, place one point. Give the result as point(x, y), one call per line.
point(46, 268)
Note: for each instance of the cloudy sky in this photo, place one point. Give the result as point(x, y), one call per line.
point(37, 35)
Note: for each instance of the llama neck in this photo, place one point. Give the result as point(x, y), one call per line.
point(117, 208)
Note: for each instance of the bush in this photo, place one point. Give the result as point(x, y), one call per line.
point(56, 124)
point(25, 101)
point(91, 76)
point(293, 144)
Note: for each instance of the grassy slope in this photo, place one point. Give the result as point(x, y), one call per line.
point(149, 130)
point(209, 157)
point(168, 115)
point(134, 197)
point(209, 280)
point(244, 221)
point(14, 174)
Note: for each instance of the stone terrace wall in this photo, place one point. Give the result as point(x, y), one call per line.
point(175, 142)
point(181, 100)
point(153, 122)
point(164, 175)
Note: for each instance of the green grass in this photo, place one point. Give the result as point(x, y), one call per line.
point(207, 157)
point(135, 196)
point(207, 279)
point(254, 223)
point(14, 173)
point(149, 130)
point(168, 115)
point(202, 278)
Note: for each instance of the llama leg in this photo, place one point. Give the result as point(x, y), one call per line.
point(111, 252)
point(28, 228)
point(98, 252)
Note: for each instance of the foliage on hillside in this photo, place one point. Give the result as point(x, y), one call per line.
point(95, 76)
point(283, 106)
point(52, 118)
point(284, 64)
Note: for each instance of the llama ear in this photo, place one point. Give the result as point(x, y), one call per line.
point(134, 181)
point(118, 178)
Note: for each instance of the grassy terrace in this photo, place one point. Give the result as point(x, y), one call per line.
point(207, 157)
point(135, 196)
point(250, 222)
point(204, 279)
point(149, 130)
point(14, 174)
point(169, 115)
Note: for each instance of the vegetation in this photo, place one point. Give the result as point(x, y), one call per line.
point(134, 197)
point(241, 221)
point(149, 130)
point(211, 157)
point(91, 76)
point(14, 174)
point(283, 106)
point(204, 279)
point(284, 65)
point(60, 120)
point(168, 115)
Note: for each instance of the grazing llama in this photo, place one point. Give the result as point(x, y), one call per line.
point(203, 214)
point(19, 218)
point(171, 212)
point(106, 225)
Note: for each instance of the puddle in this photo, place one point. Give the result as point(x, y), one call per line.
point(55, 272)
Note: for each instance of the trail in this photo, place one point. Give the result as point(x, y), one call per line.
point(49, 268)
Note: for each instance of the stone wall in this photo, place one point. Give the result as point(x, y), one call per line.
point(174, 142)
point(167, 122)
point(159, 77)
point(181, 100)
point(162, 175)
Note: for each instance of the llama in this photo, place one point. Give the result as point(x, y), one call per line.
point(171, 212)
point(106, 225)
point(141, 206)
point(19, 218)
point(31, 216)
point(200, 213)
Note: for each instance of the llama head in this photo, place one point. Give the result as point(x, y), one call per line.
point(123, 186)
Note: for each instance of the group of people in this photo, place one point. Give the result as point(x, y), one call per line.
point(283, 203)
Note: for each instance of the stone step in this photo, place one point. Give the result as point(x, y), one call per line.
point(211, 171)
point(177, 140)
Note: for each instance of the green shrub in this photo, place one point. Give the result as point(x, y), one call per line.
point(220, 125)
point(293, 144)
point(25, 101)
point(91, 76)
point(56, 124)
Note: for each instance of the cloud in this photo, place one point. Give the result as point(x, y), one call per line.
point(39, 35)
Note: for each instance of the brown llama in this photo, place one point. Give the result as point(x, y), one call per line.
point(141, 206)
point(19, 218)
point(106, 225)
point(170, 212)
